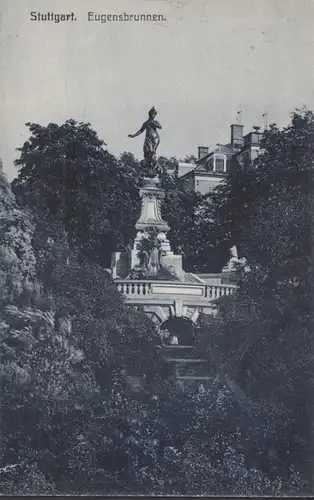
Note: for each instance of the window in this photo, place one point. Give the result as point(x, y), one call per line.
point(220, 163)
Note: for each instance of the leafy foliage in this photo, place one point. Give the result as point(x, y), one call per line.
point(180, 211)
point(65, 173)
point(87, 403)
point(70, 351)
point(263, 337)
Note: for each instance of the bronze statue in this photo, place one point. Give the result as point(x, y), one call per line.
point(151, 140)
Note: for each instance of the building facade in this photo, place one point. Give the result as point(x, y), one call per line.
point(211, 166)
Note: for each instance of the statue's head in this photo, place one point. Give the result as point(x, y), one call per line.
point(152, 113)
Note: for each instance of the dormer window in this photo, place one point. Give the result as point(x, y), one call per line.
point(220, 163)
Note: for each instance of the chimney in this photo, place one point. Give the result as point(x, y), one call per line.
point(236, 135)
point(202, 151)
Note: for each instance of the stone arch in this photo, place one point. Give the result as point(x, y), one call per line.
point(181, 311)
point(192, 314)
point(158, 314)
point(161, 313)
point(181, 330)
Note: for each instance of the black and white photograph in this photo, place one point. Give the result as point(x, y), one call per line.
point(156, 222)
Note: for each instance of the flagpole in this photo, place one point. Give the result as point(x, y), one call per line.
point(265, 116)
point(239, 117)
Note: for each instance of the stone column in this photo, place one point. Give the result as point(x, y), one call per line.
point(152, 196)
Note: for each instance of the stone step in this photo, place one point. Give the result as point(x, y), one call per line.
point(178, 351)
point(194, 377)
point(193, 383)
point(185, 360)
point(191, 371)
point(190, 367)
point(179, 347)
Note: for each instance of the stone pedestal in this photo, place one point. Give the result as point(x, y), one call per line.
point(123, 262)
point(152, 196)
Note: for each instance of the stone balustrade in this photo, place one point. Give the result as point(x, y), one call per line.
point(213, 292)
point(134, 287)
point(139, 288)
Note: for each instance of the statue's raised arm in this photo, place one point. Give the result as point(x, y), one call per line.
point(139, 132)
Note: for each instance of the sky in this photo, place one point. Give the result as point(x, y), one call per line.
point(207, 60)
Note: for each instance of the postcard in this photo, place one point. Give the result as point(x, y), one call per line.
point(156, 187)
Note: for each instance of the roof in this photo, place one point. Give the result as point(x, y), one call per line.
point(224, 149)
point(185, 168)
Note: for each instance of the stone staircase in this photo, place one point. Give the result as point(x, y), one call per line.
point(188, 368)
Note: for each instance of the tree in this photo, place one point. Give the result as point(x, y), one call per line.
point(65, 173)
point(26, 325)
point(88, 402)
point(180, 211)
point(189, 159)
point(71, 360)
point(262, 338)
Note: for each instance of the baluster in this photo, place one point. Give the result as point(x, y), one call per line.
point(141, 289)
